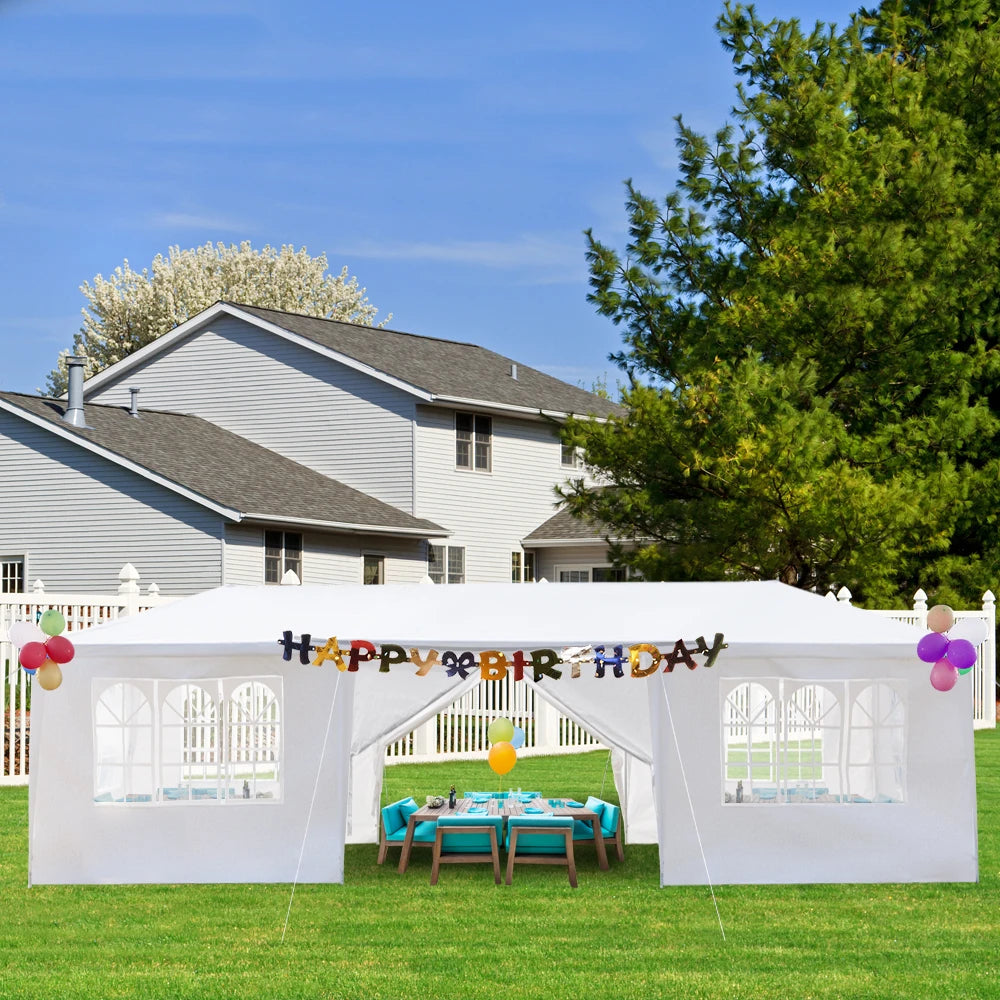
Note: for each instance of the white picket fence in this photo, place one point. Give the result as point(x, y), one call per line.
point(457, 733)
point(984, 674)
point(81, 611)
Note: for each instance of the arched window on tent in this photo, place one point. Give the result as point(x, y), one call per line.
point(123, 743)
point(750, 741)
point(253, 744)
point(812, 744)
point(191, 766)
point(876, 749)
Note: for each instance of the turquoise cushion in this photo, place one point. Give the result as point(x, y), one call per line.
point(609, 820)
point(423, 833)
point(468, 843)
point(582, 831)
point(393, 817)
point(597, 805)
point(538, 843)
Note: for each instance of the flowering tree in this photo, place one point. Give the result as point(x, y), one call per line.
point(130, 309)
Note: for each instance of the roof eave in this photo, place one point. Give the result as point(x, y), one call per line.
point(350, 527)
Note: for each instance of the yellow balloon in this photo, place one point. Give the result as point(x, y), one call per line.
point(502, 757)
point(49, 675)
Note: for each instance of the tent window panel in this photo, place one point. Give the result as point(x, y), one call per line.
point(123, 744)
point(254, 740)
point(191, 766)
point(750, 744)
point(810, 768)
point(877, 744)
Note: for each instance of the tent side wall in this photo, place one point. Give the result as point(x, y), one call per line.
point(808, 834)
point(74, 839)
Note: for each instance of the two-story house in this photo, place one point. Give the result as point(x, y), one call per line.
point(249, 441)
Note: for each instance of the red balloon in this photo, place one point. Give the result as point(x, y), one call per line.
point(60, 649)
point(33, 655)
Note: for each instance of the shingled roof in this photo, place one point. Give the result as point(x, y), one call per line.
point(223, 468)
point(447, 369)
point(563, 527)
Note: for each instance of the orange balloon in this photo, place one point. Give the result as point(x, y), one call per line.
point(502, 757)
point(49, 675)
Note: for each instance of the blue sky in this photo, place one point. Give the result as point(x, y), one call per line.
point(450, 154)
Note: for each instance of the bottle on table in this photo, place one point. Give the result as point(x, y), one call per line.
point(452, 799)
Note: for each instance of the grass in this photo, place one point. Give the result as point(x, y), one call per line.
point(382, 935)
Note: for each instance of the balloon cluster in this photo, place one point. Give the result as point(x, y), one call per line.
point(950, 646)
point(43, 648)
point(506, 740)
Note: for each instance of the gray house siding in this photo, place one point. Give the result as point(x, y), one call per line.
point(338, 421)
point(326, 558)
point(78, 518)
point(548, 561)
point(488, 512)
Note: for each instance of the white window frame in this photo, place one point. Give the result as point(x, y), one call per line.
point(449, 557)
point(240, 754)
point(588, 568)
point(380, 558)
point(284, 562)
point(522, 566)
point(570, 456)
point(468, 442)
point(9, 575)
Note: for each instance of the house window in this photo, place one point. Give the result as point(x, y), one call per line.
point(374, 571)
point(522, 567)
point(473, 441)
point(591, 574)
point(783, 742)
point(446, 563)
point(282, 552)
point(12, 575)
point(571, 456)
point(207, 741)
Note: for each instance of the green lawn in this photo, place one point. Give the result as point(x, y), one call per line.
point(618, 935)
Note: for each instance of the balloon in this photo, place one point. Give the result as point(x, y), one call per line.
point(932, 647)
point(502, 757)
point(517, 740)
point(21, 633)
point(964, 671)
point(940, 618)
point(961, 653)
point(33, 656)
point(49, 675)
point(943, 676)
point(975, 630)
point(60, 649)
point(500, 731)
point(52, 622)
point(30, 673)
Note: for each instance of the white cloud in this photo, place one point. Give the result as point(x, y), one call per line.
point(549, 260)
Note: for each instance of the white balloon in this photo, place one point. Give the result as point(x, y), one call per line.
point(21, 633)
point(973, 629)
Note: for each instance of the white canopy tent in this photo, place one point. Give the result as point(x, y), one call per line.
point(813, 750)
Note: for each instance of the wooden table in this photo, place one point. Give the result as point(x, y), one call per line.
point(505, 808)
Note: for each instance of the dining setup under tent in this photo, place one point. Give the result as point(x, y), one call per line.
point(760, 734)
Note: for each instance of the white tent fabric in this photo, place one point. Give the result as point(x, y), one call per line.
point(773, 632)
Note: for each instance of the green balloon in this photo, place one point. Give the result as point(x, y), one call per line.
point(52, 622)
point(500, 731)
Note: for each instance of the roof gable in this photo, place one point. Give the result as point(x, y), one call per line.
point(431, 369)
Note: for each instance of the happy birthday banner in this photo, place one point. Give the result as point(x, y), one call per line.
point(642, 659)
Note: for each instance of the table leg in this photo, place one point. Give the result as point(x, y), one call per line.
point(602, 854)
point(404, 857)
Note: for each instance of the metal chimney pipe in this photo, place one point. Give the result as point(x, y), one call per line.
point(133, 410)
point(74, 399)
point(513, 372)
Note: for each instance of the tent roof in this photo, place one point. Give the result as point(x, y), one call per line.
point(760, 618)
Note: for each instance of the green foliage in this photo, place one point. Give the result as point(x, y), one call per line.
point(131, 309)
point(391, 936)
point(810, 318)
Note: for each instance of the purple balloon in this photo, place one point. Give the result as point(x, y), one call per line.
point(961, 653)
point(943, 676)
point(932, 647)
